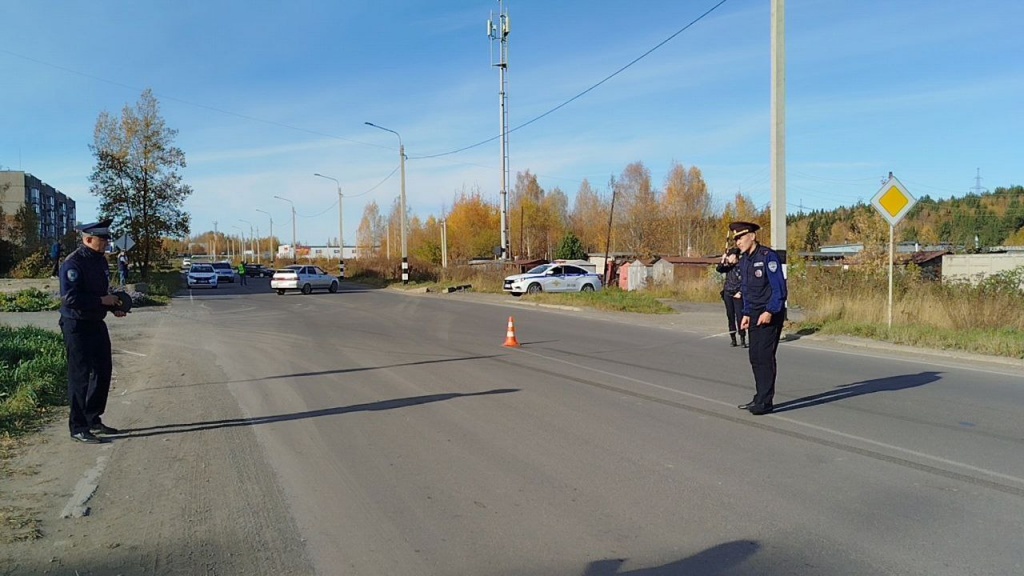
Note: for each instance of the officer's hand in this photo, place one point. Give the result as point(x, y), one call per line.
point(764, 318)
point(120, 314)
point(110, 300)
point(745, 323)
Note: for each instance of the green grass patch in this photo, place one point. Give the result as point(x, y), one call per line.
point(33, 377)
point(611, 300)
point(28, 300)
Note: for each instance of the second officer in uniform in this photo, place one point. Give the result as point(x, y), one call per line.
point(84, 302)
point(763, 287)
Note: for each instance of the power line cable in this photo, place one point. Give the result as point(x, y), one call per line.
point(581, 94)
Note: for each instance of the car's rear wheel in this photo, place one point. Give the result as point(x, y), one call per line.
point(534, 289)
point(587, 288)
point(280, 292)
point(306, 288)
point(333, 288)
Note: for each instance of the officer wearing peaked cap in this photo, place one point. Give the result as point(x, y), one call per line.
point(84, 287)
point(764, 291)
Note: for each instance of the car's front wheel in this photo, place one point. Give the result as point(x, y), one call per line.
point(280, 292)
point(306, 288)
point(534, 289)
point(587, 288)
point(333, 288)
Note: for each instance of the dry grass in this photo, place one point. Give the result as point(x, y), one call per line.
point(18, 525)
point(986, 318)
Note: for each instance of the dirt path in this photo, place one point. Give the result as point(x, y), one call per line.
point(176, 497)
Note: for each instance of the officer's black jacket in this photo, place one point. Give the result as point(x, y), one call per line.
point(84, 279)
point(763, 285)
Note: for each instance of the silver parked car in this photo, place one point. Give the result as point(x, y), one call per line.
point(303, 278)
point(225, 272)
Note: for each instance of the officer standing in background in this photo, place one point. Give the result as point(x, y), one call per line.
point(763, 287)
point(84, 286)
point(731, 294)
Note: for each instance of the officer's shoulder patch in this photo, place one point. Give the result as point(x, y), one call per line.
point(72, 275)
point(773, 266)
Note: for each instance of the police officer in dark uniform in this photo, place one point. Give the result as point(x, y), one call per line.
point(763, 287)
point(731, 294)
point(84, 286)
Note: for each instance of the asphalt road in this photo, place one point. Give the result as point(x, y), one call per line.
point(408, 440)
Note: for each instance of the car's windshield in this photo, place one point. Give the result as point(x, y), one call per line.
point(539, 269)
point(221, 265)
point(202, 268)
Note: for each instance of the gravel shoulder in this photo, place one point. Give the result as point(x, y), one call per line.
point(174, 498)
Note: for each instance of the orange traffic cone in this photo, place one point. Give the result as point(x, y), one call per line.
point(510, 336)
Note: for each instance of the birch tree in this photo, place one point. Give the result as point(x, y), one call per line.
point(136, 177)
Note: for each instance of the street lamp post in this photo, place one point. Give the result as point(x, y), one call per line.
point(252, 239)
point(405, 245)
point(294, 251)
point(341, 223)
point(272, 255)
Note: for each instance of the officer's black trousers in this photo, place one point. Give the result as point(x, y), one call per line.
point(764, 341)
point(89, 369)
point(733, 312)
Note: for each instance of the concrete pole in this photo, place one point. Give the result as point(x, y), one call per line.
point(778, 128)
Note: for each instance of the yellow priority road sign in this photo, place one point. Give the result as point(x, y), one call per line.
point(893, 201)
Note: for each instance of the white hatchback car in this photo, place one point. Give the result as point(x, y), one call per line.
point(553, 277)
point(302, 278)
point(201, 275)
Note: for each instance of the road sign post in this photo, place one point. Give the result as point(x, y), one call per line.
point(892, 201)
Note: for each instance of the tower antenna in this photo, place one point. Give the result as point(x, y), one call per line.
point(498, 30)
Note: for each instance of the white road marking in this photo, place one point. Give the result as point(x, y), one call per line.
point(894, 448)
point(132, 353)
point(86, 487)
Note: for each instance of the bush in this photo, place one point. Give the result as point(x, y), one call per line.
point(33, 376)
point(35, 265)
point(29, 300)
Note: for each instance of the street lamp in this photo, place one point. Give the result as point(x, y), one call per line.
point(401, 159)
point(252, 247)
point(273, 257)
point(341, 221)
point(241, 242)
point(294, 250)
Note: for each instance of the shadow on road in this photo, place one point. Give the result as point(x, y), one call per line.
point(319, 373)
point(720, 559)
point(844, 391)
point(235, 422)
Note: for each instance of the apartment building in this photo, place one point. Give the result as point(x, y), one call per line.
point(56, 211)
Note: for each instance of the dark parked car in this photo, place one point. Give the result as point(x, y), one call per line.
point(258, 271)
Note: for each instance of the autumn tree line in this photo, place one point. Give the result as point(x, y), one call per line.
point(679, 218)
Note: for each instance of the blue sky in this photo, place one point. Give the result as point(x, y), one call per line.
point(265, 94)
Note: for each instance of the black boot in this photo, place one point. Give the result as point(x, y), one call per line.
point(743, 339)
point(733, 336)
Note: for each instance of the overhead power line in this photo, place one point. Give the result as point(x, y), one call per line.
point(581, 94)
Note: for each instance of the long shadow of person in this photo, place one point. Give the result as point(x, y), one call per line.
point(720, 559)
point(369, 407)
point(844, 391)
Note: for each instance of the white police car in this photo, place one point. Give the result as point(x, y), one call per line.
point(553, 277)
point(201, 275)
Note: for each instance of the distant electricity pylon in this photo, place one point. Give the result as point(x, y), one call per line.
point(978, 189)
point(498, 31)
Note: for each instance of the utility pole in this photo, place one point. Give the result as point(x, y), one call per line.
point(214, 239)
point(444, 243)
point(295, 250)
point(401, 160)
point(273, 257)
point(500, 33)
point(778, 128)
